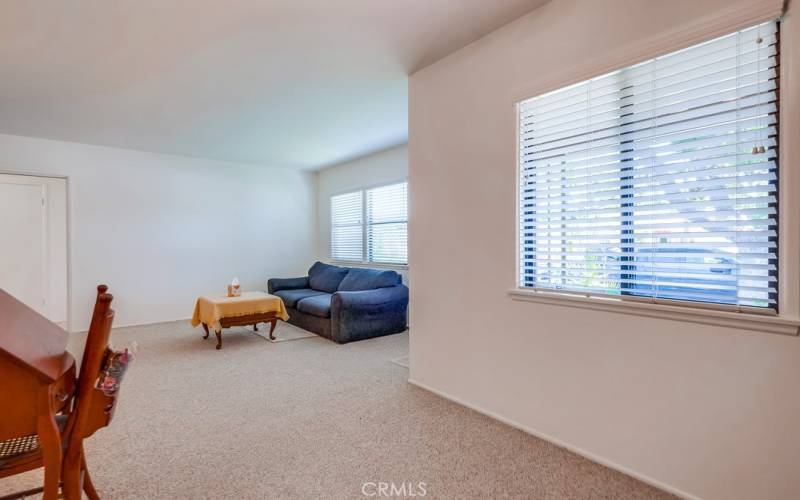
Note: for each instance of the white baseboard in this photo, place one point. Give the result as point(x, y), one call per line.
point(541, 435)
point(145, 323)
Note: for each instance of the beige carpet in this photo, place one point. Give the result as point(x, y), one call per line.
point(401, 361)
point(284, 332)
point(310, 419)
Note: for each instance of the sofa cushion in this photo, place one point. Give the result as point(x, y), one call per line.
point(290, 297)
point(318, 305)
point(368, 279)
point(326, 277)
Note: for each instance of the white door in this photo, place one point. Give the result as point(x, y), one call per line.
point(22, 253)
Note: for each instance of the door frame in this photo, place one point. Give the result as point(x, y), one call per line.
point(68, 193)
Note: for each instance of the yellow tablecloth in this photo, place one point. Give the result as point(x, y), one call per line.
point(210, 309)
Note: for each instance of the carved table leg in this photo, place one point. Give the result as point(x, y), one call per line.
point(88, 486)
point(219, 338)
point(205, 327)
point(273, 322)
point(50, 439)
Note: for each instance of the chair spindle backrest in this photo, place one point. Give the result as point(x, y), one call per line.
point(93, 407)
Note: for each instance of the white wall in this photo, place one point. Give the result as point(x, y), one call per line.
point(384, 167)
point(160, 230)
point(704, 410)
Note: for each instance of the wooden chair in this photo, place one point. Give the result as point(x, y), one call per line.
point(91, 410)
point(37, 383)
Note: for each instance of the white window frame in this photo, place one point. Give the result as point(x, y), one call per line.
point(787, 322)
point(364, 229)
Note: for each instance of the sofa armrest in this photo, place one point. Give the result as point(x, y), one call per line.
point(276, 284)
point(368, 313)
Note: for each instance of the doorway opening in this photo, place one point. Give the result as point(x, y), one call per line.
point(33, 261)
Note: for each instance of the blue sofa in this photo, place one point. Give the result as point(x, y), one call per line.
point(344, 304)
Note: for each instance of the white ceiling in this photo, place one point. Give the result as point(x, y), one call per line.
point(296, 83)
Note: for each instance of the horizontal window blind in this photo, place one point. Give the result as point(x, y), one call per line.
point(347, 226)
point(387, 224)
point(658, 181)
point(371, 225)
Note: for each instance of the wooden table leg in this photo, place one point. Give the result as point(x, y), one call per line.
point(205, 327)
point(88, 486)
point(245, 321)
point(272, 322)
point(71, 474)
point(50, 440)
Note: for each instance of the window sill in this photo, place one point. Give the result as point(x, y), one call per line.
point(743, 321)
point(378, 265)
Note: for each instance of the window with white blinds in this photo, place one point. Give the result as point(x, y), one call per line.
point(658, 182)
point(387, 224)
point(371, 225)
point(347, 226)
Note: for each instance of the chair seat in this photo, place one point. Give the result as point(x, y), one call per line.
point(291, 297)
point(319, 305)
point(13, 449)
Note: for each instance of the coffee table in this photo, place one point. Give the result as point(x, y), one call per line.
point(250, 308)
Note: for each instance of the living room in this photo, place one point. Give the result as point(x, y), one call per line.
point(456, 249)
